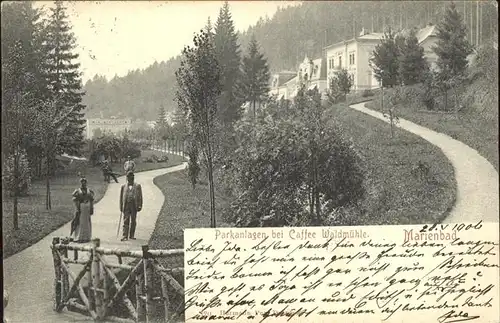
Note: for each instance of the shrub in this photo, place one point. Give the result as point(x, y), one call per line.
point(366, 93)
point(24, 174)
point(287, 169)
point(163, 159)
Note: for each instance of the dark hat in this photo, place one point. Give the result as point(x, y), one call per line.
point(130, 174)
point(83, 179)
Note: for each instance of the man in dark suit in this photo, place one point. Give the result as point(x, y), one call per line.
point(130, 204)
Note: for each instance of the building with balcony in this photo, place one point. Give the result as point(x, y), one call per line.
point(311, 73)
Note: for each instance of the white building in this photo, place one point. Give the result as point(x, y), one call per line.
point(279, 82)
point(312, 73)
point(354, 56)
point(111, 125)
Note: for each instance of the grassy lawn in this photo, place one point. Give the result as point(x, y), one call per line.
point(478, 133)
point(396, 195)
point(35, 222)
point(184, 207)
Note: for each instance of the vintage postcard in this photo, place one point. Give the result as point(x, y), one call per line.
point(250, 161)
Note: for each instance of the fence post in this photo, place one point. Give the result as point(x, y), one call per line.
point(164, 292)
point(57, 270)
point(96, 277)
point(138, 296)
point(65, 277)
point(91, 286)
point(148, 282)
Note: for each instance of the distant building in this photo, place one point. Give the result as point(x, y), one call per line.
point(111, 125)
point(311, 73)
point(279, 83)
point(354, 56)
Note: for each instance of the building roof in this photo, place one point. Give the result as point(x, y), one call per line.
point(422, 34)
point(365, 37)
point(284, 77)
point(426, 32)
point(292, 81)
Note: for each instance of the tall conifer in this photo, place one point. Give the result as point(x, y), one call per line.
point(255, 75)
point(228, 54)
point(63, 76)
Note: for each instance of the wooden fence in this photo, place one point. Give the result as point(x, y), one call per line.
point(104, 291)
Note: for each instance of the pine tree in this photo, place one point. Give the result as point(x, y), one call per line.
point(228, 55)
point(63, 76)
point(254, 84)
point(384, 61)
point(162, 118)
point(412, 63)
point(209, 28)
point(452, 47)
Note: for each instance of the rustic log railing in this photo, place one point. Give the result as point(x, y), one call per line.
point(104, 290)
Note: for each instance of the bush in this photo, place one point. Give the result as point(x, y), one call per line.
point(366, 93)
point(163, 159)
point(283, 161)
point(24, 174)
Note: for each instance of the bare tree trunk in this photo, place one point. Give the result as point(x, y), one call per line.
point(481, 36)
point(401, 16)
point(471, 34)
point(211, 188)
point(316, 190)
point(15, 216)
point(313, 186)
point(254, 114)
point(478, 40)
point(48, 203)
point(372, 24)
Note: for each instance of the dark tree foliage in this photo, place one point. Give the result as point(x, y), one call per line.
point(384, 61)
point(228, 55)
point(254, 84)
point(412, 63)
point(291, 167)
point(452, 47)
point(63, 76)
point(22, 86)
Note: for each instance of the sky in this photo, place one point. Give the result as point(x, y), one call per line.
point(117, 36)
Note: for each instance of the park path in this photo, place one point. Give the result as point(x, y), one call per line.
point(29, 274)
point(477, 180)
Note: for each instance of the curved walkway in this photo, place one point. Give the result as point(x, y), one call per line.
point(477, 180)
point(29, 274)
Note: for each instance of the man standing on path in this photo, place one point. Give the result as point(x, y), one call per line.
point(129, 165)
point(130, 204)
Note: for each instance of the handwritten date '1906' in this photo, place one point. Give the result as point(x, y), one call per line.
point(311, 275)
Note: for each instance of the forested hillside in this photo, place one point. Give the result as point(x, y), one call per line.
point(285, 39)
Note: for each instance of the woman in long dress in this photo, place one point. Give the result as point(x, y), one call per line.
point(84, 208)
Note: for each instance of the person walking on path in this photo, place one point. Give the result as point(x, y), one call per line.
point(129, 165)
point(130, 204)
point(108, 172)
point(81, 226)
